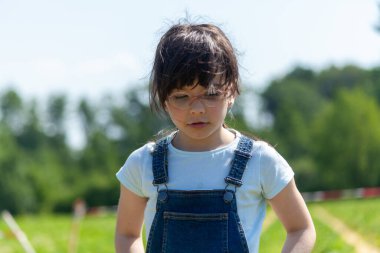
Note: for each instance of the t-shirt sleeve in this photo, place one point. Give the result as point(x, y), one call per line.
point(275, 172)
point(130, 174)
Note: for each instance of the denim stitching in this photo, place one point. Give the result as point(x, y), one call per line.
point(160, 172)
point(164, 235)
point(225, 236)
point(239, 163)
point(159, 162)
point(196, 216)
point(195, 194)
point(151, 232)
point(243, 240)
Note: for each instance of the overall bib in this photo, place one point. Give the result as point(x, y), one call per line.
point(197, 221)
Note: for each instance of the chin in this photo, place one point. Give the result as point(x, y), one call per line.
point(199, 134)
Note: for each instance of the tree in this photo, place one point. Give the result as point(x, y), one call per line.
point(11, 111)
point(31, 136)
point(56, 111)
point(347, 142)
point(330, 81)
point(293, 104)
point(87, 117)
point(16, 192)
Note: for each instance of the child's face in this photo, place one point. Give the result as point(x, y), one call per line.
point(198, 114)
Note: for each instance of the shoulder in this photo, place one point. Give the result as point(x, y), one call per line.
point(140, 154)
point(135, 168)
point(138, 160)
point(267, 153)
point(261, 149)
point(275, 172)
point(272, 162)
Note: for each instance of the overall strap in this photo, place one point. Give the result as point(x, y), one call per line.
point(243, 153)
point(159, 162)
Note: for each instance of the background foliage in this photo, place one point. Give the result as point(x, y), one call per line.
point(325, 123)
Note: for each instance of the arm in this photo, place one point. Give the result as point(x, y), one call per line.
point(129, 221)
point(295, 217)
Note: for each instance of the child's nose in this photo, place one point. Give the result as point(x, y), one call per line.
point(197, 106)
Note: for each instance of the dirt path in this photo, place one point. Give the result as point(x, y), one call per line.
point(348, 235)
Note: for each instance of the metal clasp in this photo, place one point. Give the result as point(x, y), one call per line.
point(162, 194)
point(229, 194)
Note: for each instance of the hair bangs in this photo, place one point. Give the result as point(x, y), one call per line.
point(191, 55)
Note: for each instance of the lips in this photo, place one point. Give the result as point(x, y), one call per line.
point(198, 124)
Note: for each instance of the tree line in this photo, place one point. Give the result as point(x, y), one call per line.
point(325, 123)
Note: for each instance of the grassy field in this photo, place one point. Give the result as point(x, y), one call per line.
point(50, 234)
point(360, 215)
point(327, 240)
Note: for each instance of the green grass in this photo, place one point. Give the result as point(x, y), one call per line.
point(273, 238)
point(327, 240)
point(361, 215)
point(50, 233)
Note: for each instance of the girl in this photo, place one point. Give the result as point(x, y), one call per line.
point(204, 187)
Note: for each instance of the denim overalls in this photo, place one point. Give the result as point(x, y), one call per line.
point(197, 221)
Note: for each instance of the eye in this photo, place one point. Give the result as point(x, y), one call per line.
point(213, 95)
point(180, 96)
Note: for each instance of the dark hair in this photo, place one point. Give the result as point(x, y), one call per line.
point(190, 54)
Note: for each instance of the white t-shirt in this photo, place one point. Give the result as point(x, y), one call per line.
point(267, 173)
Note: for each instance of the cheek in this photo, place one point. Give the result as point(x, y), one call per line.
point(222, 109)
point(176, 115)
point(218, 113)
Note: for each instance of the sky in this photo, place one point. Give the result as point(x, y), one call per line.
point(92, 48)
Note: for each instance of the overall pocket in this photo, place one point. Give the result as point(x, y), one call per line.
point(193, 232)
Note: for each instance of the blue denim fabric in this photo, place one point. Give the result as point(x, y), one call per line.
point(201, 221)
point(242, 155)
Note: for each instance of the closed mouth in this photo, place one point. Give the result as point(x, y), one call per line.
point(200, 123)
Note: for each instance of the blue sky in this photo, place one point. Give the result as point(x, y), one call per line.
point(89, 48)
